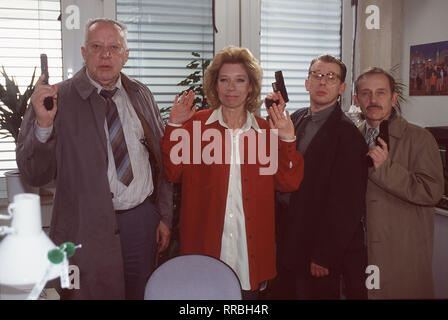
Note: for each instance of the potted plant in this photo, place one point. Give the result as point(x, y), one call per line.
point(12, 109)
point(194, 83)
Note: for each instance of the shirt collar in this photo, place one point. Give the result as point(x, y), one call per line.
point(392, 116)
point(251, 122)
point(377, 129)
point(117, 85)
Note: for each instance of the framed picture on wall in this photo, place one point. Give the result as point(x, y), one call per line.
point(428, 69)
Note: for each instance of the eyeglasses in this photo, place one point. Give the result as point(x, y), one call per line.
point(97, 48)
point(330, 77)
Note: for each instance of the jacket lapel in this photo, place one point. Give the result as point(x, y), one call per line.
point(97, 104)
point(320, 140)
point(362, 128)
point(297, 119)
point(136, 100)
point(396, 129)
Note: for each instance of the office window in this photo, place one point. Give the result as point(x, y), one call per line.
point(292, 34)
point(161, 37)
point(27, 29)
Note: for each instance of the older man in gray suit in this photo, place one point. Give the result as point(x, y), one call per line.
point(101, 144)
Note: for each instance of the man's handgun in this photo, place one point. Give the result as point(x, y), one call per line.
point(48, 101)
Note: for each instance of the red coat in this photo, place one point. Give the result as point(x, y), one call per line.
point(204, 194)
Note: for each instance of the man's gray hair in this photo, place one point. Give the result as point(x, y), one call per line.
point(122, 27)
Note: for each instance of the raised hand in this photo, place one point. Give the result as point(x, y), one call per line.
point(379, 154)
point(278, 120)
point(182, 109)
point(44, 117)
point(276, 96)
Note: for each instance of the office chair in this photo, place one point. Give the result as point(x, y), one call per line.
point(193, 277)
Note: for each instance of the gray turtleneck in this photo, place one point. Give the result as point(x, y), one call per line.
point(310, 125)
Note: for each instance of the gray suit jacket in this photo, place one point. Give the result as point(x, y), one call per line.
point(76, 156)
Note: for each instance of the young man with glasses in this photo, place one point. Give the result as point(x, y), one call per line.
point(321, 225)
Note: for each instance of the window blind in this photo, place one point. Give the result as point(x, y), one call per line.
point(161, 37)
point(27, 29)
point(292, 34)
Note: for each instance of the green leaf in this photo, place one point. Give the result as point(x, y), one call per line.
point(15, 103)
point(195, 79)
point(193, 65)
point(206, 64)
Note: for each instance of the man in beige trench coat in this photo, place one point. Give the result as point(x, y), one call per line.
point(405, 182)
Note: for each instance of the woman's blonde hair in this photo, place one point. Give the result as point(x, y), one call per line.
point(232, 54)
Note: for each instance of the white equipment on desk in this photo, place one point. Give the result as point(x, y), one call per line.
point(28, 258)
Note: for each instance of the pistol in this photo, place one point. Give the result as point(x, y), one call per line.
point(48, 101)
point(278, 85)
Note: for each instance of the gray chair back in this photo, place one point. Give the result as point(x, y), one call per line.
point(193, 277)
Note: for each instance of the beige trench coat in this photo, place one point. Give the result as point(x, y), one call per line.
point(401, 195)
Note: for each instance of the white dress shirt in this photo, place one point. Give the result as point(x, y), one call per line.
point(234, 241)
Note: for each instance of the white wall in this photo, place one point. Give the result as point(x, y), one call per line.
point(348, 26)
point(238, 24)
point(73, 38)
point(379, 47)
point(424, 22)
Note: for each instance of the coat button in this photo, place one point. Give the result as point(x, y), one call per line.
point(117, 231)
point(112, 195)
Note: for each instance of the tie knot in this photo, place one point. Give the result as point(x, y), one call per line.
point(108, 94)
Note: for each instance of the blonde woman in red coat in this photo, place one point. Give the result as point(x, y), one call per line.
point(230, 162)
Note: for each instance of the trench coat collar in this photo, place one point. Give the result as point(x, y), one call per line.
point(87, 91)
point(82, 84)
point(85, 87)
point(396, 127)
point(326, 131)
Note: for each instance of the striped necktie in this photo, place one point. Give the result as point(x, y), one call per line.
point(117, 140)
point(370, 137)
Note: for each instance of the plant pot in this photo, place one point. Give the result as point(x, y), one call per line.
point(15, 184)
